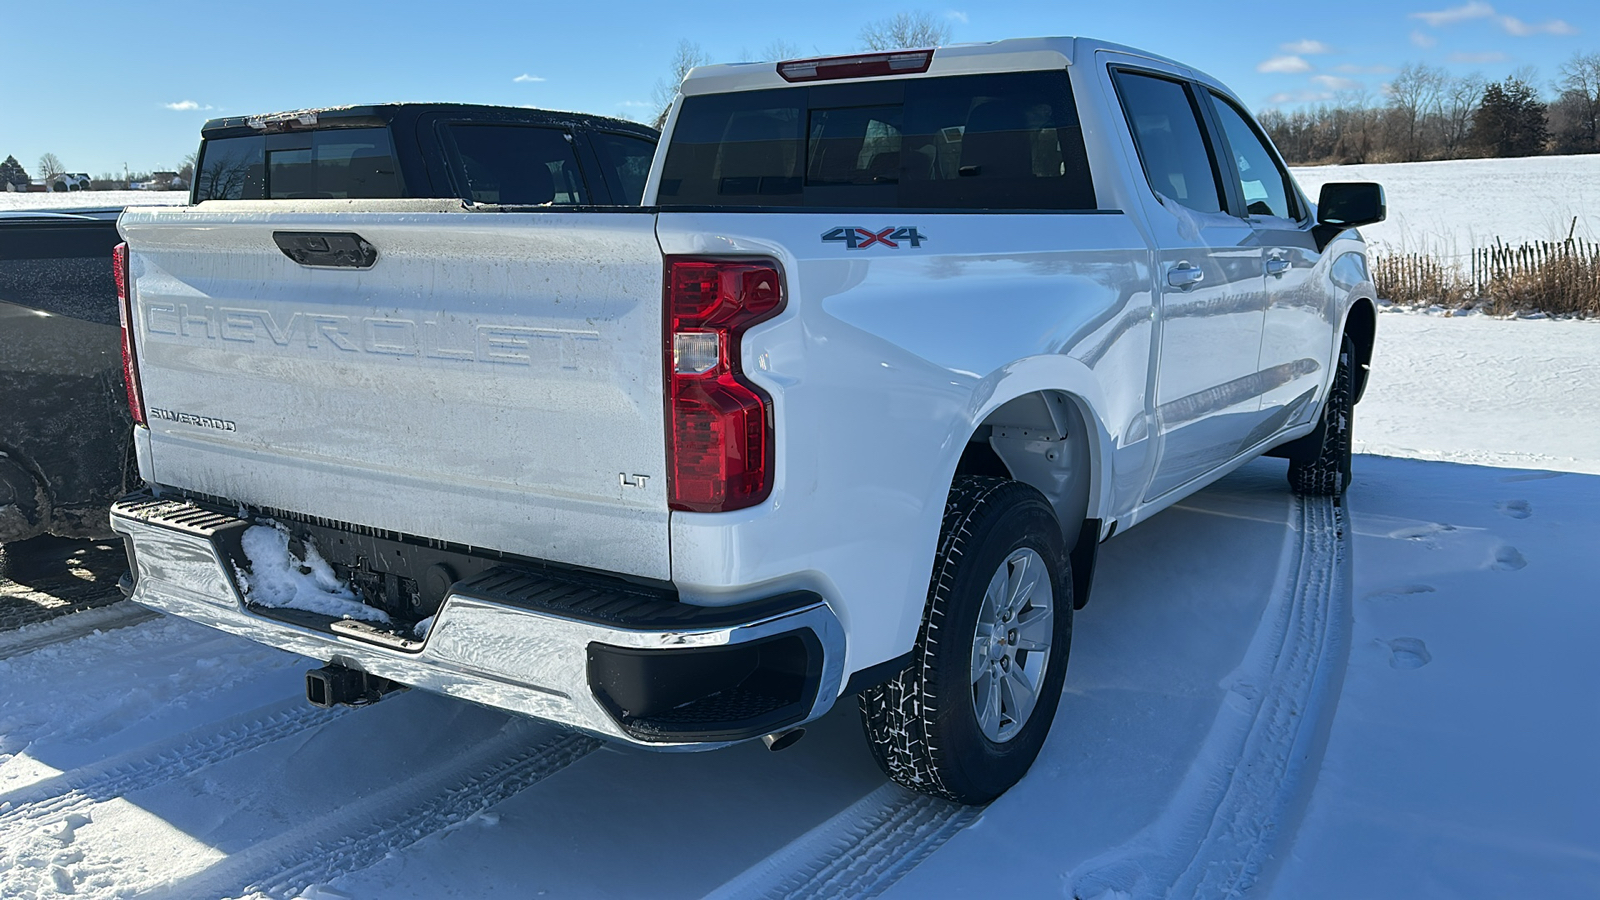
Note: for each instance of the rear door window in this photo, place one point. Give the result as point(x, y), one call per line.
point(337, 163)
point(627, 160)
point(518, 165)
point(1003, 141)
point(1166, 128)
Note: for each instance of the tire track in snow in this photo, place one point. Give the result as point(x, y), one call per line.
point(50, 801)
point(368, 829)
point(73, 625)
point(1216, 837)
point(860, 852)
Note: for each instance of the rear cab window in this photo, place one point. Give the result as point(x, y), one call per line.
point(517, 165)
point(1007, 141)
point(336, 163)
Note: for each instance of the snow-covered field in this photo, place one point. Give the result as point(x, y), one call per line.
point(91, 199)
point(1447, 208)
point(1267, 696)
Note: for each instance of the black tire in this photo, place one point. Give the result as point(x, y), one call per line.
point(921, 725)
point(1327, 474)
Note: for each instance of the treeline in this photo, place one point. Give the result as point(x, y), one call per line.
point(1430, 114)
point(49, 170)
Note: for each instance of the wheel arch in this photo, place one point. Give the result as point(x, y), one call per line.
point(1361, 325)
point(1040, 425)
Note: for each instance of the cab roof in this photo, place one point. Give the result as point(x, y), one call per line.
point(1011, 55)
point(380, 114)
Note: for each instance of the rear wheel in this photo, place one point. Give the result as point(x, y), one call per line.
point(1328, 473)
point(967, 718)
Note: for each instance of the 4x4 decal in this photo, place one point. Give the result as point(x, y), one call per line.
point(857, 238)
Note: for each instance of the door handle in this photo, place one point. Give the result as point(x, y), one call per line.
point(1277, 266)
point(1185, 276)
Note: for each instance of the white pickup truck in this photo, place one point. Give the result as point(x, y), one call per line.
point(842, 410)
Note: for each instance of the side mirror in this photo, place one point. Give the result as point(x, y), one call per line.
point(1351, 204)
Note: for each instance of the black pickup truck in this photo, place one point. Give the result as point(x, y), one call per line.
point(478, 154)
point(64, 423)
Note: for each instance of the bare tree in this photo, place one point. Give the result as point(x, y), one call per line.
point(780, 49)
point(1415, 95)
point(1580, 99)
point(1459, 102)
point(1353, 123)
point(906, 30)
point(687, 56)
point(49, 167)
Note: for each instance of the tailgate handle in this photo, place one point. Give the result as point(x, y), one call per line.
point(326, 249)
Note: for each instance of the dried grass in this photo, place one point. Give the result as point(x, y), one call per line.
point(1558, 278)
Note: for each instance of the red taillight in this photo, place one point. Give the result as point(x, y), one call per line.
point(130, 366)
point(861, 65)
point(719, 425)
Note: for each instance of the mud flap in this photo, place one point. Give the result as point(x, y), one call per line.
point(1083, 556)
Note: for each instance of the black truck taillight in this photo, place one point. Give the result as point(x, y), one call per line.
point(719, 425)
point(130, 364)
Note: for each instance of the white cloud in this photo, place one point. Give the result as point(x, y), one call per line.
point(1474, 10)
point(1299, 97)
point(1306, 47)
point(1350, 69)
point(525, 78)
point(1423, 40)
point(1518, 28)
point(1477, 9)
point(1335, 83)
point(639, 104)
point(1285, 65)
point(186, 106)
point(956, 15)
point(1475, 59)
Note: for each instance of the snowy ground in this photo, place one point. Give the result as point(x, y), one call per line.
point(1278, 698)
point(1480, 390)
point(91, 199)
point(1447, 208)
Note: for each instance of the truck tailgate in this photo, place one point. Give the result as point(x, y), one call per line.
point(493, 379)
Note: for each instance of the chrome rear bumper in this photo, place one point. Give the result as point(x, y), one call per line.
point(502, 642)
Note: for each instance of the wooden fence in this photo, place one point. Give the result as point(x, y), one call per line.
point(1555, 277)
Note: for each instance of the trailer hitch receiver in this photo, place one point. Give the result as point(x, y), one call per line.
point(336, 685)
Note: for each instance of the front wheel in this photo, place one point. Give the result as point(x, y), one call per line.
point(967, 718)
point(1327, 474)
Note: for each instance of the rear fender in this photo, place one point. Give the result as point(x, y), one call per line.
point(1068, 399)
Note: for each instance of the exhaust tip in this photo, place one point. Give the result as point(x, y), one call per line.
point(783, 740)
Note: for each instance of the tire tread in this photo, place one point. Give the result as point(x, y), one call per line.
point(897, 714)
point(1328, 475)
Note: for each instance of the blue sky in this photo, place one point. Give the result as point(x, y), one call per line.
point(136, 81)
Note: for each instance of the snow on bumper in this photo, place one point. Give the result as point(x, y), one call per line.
point(637, 678)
